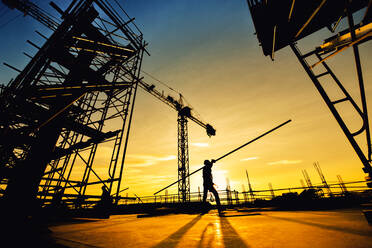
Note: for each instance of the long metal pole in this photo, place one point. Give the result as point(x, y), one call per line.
point(128, 130)
point(227, 154)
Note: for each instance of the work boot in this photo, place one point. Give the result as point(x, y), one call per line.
point(221, 213)
point(205, 207)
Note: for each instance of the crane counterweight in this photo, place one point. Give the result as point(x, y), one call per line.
point(210, 130)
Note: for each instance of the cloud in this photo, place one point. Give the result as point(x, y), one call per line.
point(285, 162)
point(200, 144)
point(251, 158)
point(136, 160)
point(167, 158)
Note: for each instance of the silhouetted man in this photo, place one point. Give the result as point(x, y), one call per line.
point(208, 183)
point(106, 199)
point(105, 204)
point(57, 197)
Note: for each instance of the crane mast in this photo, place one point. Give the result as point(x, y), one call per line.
point(183, 158)
point(184, 113)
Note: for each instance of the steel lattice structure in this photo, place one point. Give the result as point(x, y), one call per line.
point(183, 159)
point(75, 97)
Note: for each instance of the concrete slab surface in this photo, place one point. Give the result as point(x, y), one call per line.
point(254, 229)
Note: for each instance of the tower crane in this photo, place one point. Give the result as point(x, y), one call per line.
point(184, 113)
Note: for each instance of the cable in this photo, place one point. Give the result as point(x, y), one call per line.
point(127, 15)
point(7, 10)
point(196, 114)
point(158, 80)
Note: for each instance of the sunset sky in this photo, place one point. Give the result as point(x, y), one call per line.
point(207, 50)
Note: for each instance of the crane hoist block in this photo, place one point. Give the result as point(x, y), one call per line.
point(185, 111)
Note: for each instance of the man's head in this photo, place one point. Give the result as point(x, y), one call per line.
point(207, 162)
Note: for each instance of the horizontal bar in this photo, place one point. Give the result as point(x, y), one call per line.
point(322, 74)
point(341, 100)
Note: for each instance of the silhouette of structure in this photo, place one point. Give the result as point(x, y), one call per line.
point(271, 191)
point(245, 195)
point(184, 113)
point(342, 185)
point(249, 186)
point(302, 183)
point(324, 181)
point(307, 179)
point(199, 195)
point(228, 192)
point(59, 109)
point(281, 23)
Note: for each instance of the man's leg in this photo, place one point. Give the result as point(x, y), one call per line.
point(205, 207)
point(214, 192)
point(205, 191)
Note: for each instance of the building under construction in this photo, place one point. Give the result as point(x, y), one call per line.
point(76, 97)
point(60, 108)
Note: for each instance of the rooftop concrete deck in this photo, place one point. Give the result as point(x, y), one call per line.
point(336, 228)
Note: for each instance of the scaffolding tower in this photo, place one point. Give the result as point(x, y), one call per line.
point(75, 97)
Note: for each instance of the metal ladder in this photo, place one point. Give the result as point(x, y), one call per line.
point(315, 78)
